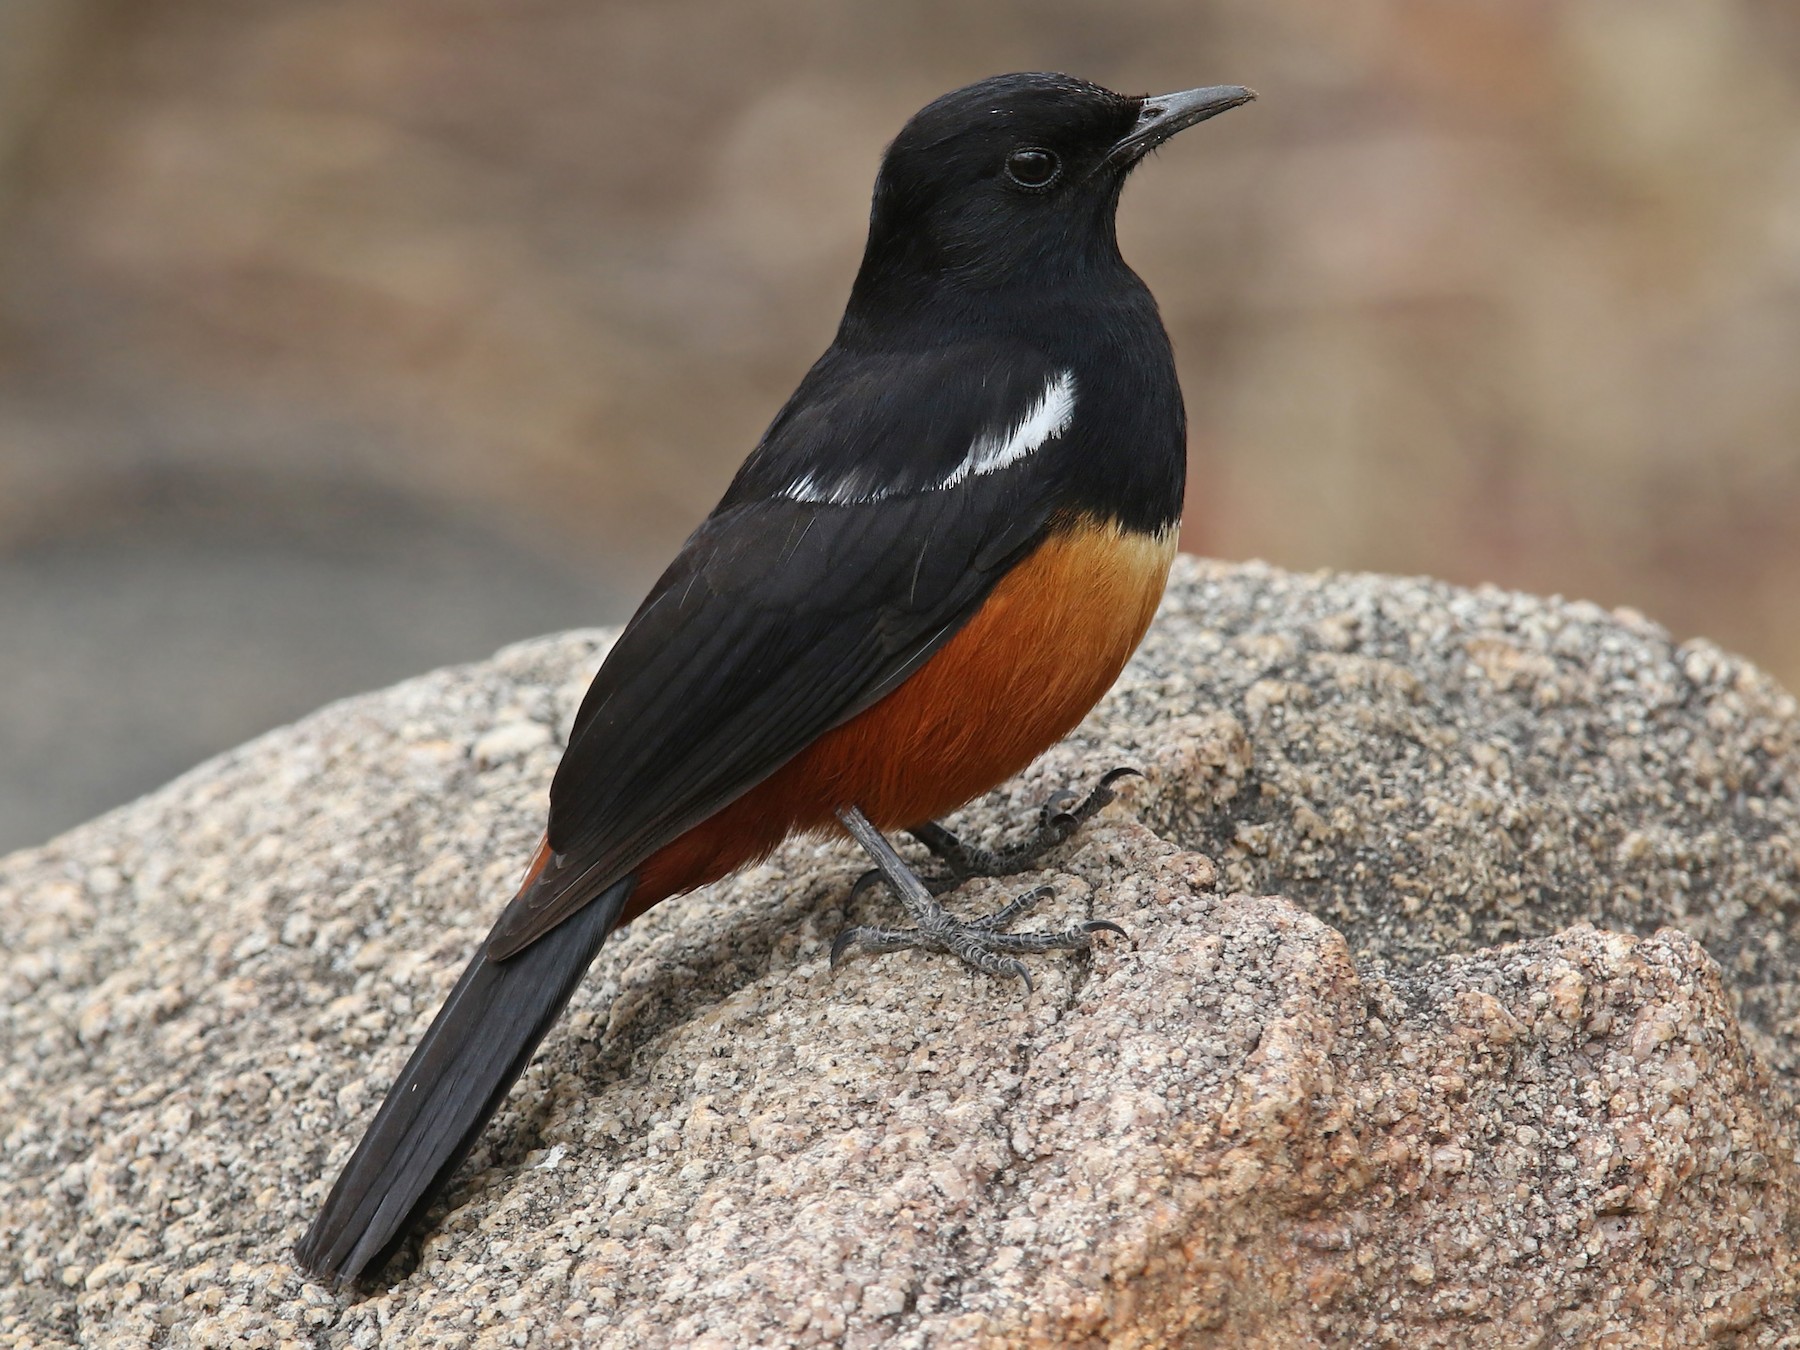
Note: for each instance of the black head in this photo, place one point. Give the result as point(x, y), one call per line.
point(1012, 179)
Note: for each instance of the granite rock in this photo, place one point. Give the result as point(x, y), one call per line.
point(1511, 1063)
point(1432, 769)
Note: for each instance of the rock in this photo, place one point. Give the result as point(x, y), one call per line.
point(1437, 769)
point(1252, 1124)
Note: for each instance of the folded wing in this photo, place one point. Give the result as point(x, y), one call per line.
point(788, 612)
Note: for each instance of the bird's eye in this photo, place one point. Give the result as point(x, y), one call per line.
point(1033, 167)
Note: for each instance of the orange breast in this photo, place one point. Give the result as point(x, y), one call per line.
point(1042, 649)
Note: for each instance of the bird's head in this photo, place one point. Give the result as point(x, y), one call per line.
point(1016, 176)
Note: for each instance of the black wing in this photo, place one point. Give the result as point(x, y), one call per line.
point(782, 618)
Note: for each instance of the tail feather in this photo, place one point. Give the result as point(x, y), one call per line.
point(477, 1046)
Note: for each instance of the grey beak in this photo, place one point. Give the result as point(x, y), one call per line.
point(1165, 114)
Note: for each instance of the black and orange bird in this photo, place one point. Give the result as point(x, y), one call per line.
point(940, 555)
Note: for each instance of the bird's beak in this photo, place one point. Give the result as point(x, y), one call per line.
point(1165, 114)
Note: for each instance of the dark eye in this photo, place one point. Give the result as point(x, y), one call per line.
point(1033, 167)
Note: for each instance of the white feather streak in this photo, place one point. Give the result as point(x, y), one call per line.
point(1047, 419)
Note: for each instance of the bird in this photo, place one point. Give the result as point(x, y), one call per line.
point(938, 557)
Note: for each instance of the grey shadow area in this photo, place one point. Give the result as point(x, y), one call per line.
point(180, 616)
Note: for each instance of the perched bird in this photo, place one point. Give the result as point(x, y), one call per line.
point(937, 559)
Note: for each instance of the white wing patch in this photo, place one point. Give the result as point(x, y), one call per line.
point(1048, 418)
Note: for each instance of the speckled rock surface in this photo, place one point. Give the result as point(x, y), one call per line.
point(1431, 769)
point(1241, 1128)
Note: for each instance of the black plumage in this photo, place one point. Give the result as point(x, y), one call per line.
point(999, 374)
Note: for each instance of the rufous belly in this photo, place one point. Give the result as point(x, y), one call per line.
point(1046, 644)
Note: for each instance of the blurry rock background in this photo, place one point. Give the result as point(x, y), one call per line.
point(340, 340)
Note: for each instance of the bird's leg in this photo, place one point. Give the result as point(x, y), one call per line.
point(981, 943)
point(1058, 818)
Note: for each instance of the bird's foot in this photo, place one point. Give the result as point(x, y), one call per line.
point(1059, 817)
point(982, 943)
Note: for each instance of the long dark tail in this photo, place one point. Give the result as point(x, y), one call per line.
point(479, 1043)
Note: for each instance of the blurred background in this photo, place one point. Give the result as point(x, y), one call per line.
point(339, 340)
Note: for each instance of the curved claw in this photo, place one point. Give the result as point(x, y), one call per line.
point(1017, 967)
point(866, 881)
point(1104, 926)
point(1123, 771)
point(842, 943)
point(1055, 809)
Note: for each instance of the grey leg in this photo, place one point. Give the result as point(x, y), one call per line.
point(1058, 818)
point(980, 942)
